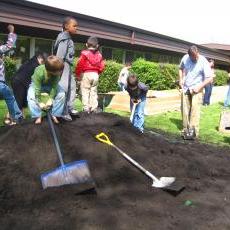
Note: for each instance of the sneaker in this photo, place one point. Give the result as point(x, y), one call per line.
point(74, 112)
point(97, 110)
point(20, 120)
point(67, 117)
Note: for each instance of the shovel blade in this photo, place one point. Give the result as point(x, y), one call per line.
point(169, 185)
point(163, 182)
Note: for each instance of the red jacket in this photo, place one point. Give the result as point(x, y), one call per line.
point(89, 61)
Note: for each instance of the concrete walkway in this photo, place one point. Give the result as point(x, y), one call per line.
point(158, 101)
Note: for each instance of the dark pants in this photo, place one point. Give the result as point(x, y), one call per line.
point(207, 94)
point(20, 93)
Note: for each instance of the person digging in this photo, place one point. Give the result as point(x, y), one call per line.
point(194, 74)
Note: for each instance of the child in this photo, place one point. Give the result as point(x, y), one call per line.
point(64, 48)
point(89, 66)
point(12, 38)
point(15, 113)
point(137, 92)
point(22, 79)
point(122, 79)
point(45, 79)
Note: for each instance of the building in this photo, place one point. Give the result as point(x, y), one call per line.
point(38, 25)
point(225, 49)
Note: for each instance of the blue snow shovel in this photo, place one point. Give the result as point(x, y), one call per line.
point(76, 172)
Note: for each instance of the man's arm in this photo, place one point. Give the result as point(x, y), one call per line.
point(202, 85)
point(181, 78)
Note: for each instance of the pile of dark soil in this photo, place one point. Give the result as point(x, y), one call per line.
point(124, 198)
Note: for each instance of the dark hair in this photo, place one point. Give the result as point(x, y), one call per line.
point(66, 21)
point(92, 42)
point(132, 80)
point(54, 64)
point(192, 50)
point(42, 55)
point(211, 61)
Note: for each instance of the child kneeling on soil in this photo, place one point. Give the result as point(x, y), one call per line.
point(137, 92)
point(45, 79)
point(88, 68)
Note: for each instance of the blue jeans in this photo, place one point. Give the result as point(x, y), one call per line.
point(11, 103)
point(227, 99)
point(207, 94)
point(121, 86)
point(139, 116)
point(58, 103)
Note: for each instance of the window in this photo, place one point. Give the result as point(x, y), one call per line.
point(148, 56)
point(118, 55)
point(43, 45)
point(155, 57)
point(129, 56)
point(138, 55)
point(107, 53)
point(22, 51)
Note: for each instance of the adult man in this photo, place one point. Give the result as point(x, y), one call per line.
point(194, 74)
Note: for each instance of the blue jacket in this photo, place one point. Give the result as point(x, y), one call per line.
point(138, 93)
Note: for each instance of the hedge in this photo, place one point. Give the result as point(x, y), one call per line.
point(10, 69)
point(158, 76)
point(161, 76)
point(221, 77)
point(108, 79)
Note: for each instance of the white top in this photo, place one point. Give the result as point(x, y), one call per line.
point(123, 75)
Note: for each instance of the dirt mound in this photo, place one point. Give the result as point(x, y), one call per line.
point(124, 197)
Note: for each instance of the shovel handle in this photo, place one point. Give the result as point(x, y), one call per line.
point(102, 137)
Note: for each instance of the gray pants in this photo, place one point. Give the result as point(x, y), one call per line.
point(64, 84)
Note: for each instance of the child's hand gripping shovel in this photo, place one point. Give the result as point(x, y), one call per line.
point(76, 172)
point(163, 182)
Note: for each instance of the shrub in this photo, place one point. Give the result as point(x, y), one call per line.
point(158, 76)
point(108, 79)
point(221, 77)
point(10, 69)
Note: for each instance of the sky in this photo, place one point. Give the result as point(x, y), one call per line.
point(196, 21)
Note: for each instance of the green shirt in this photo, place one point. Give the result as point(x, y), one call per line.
point(41, 79)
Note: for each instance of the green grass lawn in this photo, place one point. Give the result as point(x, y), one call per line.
point(170, 123)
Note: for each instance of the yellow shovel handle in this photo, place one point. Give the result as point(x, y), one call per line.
point(102, 137)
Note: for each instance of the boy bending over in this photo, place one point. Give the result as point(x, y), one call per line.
point(137, 92)
point(45, 79)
